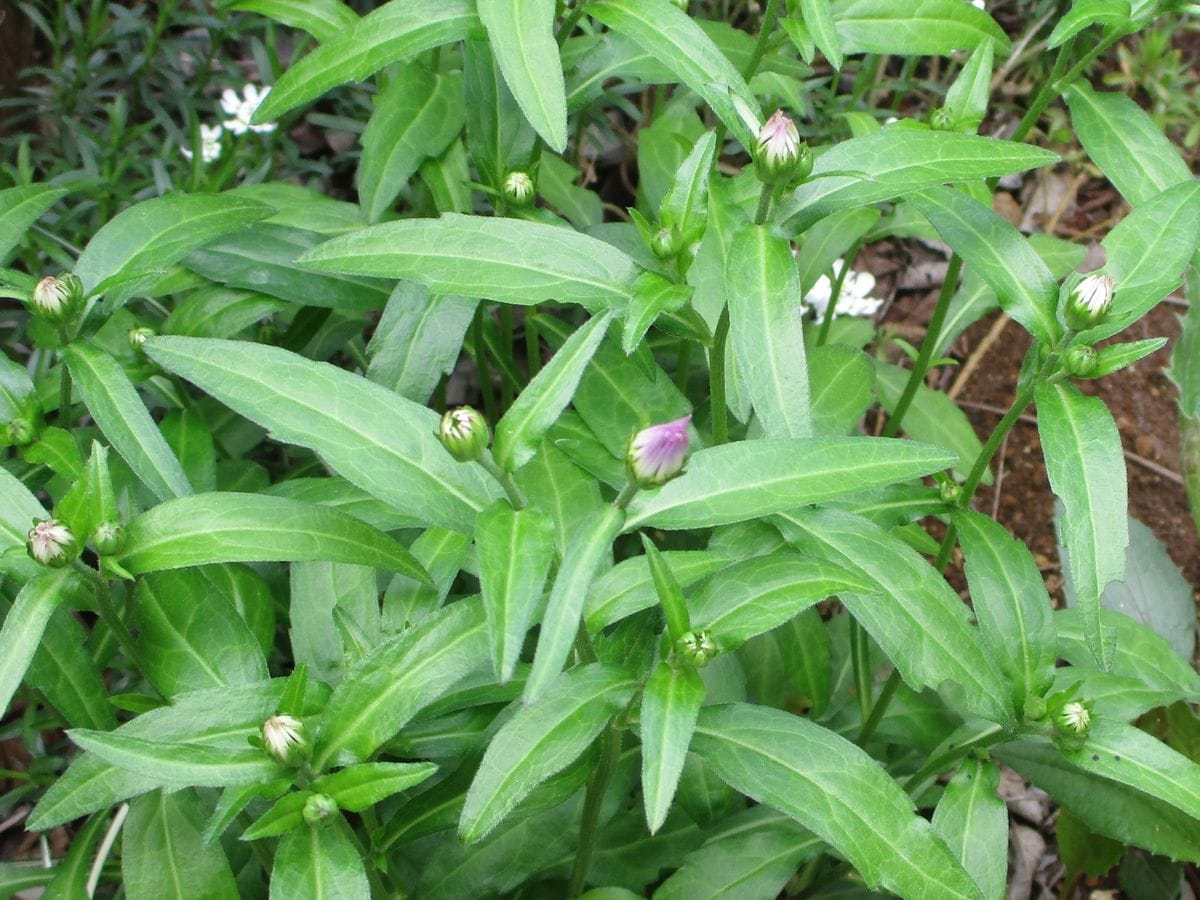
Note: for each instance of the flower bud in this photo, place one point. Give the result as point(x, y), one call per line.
point(319, 808)
point(696, 647)
point(1074, 718)
point(19, 432)
point(51, 543)
point(1081, 361)
point(949, 491)
point(939, 120)
point(777, 153)
point(1034, 708)
point(283, 738)
point(1089, 302)
point(57, 299)
point(137, 337)
point(656, 453)
point(109, 538)
point(666, 243)
point(518, 188)
point(464, 432)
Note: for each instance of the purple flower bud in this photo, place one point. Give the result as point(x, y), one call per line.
point(656, 453)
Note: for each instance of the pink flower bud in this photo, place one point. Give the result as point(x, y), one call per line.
point(51, 543)
point(656, 453)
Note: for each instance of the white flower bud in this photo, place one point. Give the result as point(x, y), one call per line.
point(57, 299)
point(1089, 302)
point(51, 543)
point(1074, 718)
point(518, 188)
point(283, 738)
point(464, 432)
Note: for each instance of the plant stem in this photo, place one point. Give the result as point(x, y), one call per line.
point(860, 656)
point(835, 293)
point(506, 344)
point(880, 707)
point(764, 33)
point(626, 495)
point(515, 497)
point(928, 345)
point(112, 618)
point(610, 750)
point(533, 348)
point(481, 364)
point(1057, 81)
point(570, 22)
point(764, 204)
point(682, 363)
point(716, 377)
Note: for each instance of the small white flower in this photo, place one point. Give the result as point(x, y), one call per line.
point(855, 299)
point(1075, 717)
point(210, 144)
point(280, 735)
point(241, 109)
point(49, 541)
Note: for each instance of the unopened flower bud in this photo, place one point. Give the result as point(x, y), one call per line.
point(1089, 302)
point(57, 299)
point(51, 543)
point(777, 152)
point(1074, 718)
point(108, 538)
point(283, 738)
point(19, 432)
point(939, 120)
point(666, 243)
point(1035, 708)
point(1081, 361)
point(464, 432)
point(656, 453)
point(697, 648)
point(319, 808)
point(137, 337)
point(518, 188)
point(949, 491)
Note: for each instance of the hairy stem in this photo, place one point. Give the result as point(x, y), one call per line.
point(610, 750)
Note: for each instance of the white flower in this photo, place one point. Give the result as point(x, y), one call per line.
point(241, 109)
point(855, 299)
point(1075, 717)
point(280, 735)
point(48, 542)
point(210, 144)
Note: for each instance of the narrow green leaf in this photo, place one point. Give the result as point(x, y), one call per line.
point(115, 405)
point(374, 438)
point(686, 204)
point(356, 788)
point(232, 527)
point(319, 861)
point(1112, 14)
point(914, 29)
point(71, 874)
point(652, 296)
point(418, 340)
point(179, 763)
point(835, 790)
point(326, 20)
point(973, 821)
point(628, 587)
point(670, 594)
point(1086, 467)
point(20, 207)
point(818, 18)
point(163, 854)
point(24, 624)
point(68, 676)
point(671, 702)
point(498, 135)
point(967, 100)
point(540, 740)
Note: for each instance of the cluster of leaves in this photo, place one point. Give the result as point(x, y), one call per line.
point(486, 681)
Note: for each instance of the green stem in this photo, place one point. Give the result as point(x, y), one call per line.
point(835, 293)
point(764, 34)
point(682, 362)
point(506, 345)
point(570, 22)
point(860, 656)
point(626, 495)
point(533, 347)
point(880, 707)
point(1057, 80)
point(64, 395)
point(112, 618)
point(716, 377)
point(764, 204)
point(925, 356)
point(481, 364)
point(515, 497)
point(610, 751)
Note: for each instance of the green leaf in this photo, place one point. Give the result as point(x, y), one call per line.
point(220, 312)
point(515, 549)
point(540, 740)
point(498, 135)
point(1112, 14)
point(913, 614)
point(232, 527)
point(835, 790)
point(762, 287)
point(547, 394)
point(398, 679)
point(564, 608)
point(1125, 142)
point(20, 207)
point(924, 28)
point(191, 442)
point(325, 20)
point(71, 874)
point(158, 233)
point(736, 482)
point(1011, 605)
point(374, 438)
point(967, 100)
point(179, 764)
point(673, 38)
point(163, 854)
point(818, 18)
point(973, 821)
point(1086, 467)
point(115, 405)
point(686, 204)
point(24, 624)
point(356, 788)
point(68, 677)
point(998, 253)
point(671, 701)
point(628, 587)
point(652, 295)
point(320, 593)
point(840, 379)
point(319, 861)
point(392, 32)
point(504, 259)
point(670, 594)
point(522, 37)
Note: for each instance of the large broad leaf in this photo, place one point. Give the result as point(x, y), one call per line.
point(900, 161)
point(115, 405)
point(20, 207)
point(998, 253)
point(233, 527)
point(540, 740)
point(392, 32)
point(319, 861)
point(836, 791)
point(1086, 467)
point(503, 259)
point(326, 20)
point(973, 821)
point(164, 856)
point(24, 624)
point(374, 438)
point(672, 37)
point(157, 233)
point(522, 38)
point(736, 482)
point(671, 701)
point(913, 614)
point(913, 27)
point(762, 287)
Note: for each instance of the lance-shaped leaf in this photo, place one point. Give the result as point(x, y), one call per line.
point(917, 29)
point(392, 32)
point(509, 260)
point(835, 790)
point(115, 405)
point(671, 701)
point(541, 740)
point(164, 855)
point(25, 623)
point(20, 207)
point(1086, 467)
point(319, 861)
point(629, 587)
point(369, 435)
point(818, 19)
point(536, 409)
point(521, 33)
point(326, 20)
point(736, 482)
point(233, 527)
point(652, 296)
point(913, 614)
point(515, 549)
point(1010, 603)
point(763, 291)
point(179, 763)
point(686, 204)
point(973, 821)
